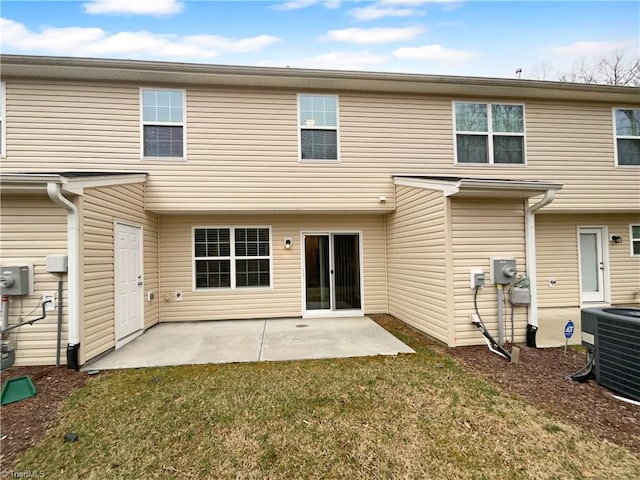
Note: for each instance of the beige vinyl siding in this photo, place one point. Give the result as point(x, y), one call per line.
point(481, 229)
point(242, 147)
point(101, 207)
point(574, 144)
point(32, 228)
point(66, 125)
point(284, 298)
point(624, 268)
point(417, 261)
point(557, 257)
point(243, 155)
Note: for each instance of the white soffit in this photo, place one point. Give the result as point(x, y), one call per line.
point(478, 187)
point(73, 182)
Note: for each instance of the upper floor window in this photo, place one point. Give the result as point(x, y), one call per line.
point(2, 122)
point(489, 133)
point(318, 121)
point(627, 136)
point(232, 257)
point(635, 240)
point(163, 123)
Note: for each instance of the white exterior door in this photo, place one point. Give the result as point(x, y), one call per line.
point(592, 265)
point(129, 321)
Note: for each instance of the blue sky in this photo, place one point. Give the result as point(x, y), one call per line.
point(475, 38)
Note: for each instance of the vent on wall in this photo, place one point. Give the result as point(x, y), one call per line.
point(613, 337)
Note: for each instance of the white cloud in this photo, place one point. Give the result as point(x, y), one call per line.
point(92, 42)
point(332, 4)
point(295, 4)
point(434, 52)
point(372, 35)
point(16, 35)
point(588, 48)
point(298, 4)
point(226, 44)
point(134, 44)
point(374, 12)
point(333, 61)
point(397, 8)
point(134, 7)
point(414, 2)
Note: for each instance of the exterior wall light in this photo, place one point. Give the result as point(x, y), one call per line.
point(287, 243)
point(616, 239)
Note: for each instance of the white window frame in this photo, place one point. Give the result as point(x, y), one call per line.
point(182, 124)
point(3, 119)
point(313, 127)
point(616, 137)
point(633, 239)
point(490, 134)
point(232, 258)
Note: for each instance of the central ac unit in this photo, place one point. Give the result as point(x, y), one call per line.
point(612, 336)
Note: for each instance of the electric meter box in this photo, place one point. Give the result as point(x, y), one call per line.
point(503, 271)
point(57, 263)
point(14, 280)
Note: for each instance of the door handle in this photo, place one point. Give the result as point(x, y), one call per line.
point(140, 282)
point(601, 265)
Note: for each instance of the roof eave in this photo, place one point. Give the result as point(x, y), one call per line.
point(93, 69)
point(479, 188)
point(22, 183)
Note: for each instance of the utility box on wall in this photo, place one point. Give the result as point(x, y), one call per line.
point(14, 280)
point(520, 296)
point(57, 263)
point(503, 271)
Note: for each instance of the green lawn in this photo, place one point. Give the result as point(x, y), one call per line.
point(414, 416)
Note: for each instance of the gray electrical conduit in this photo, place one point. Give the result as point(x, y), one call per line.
point(8, 350)
point(59, 335)
point(29, 322)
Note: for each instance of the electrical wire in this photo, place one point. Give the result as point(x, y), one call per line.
point(22, 315)
point(494, 346)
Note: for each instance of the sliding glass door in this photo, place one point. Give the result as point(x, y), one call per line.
point(317, 277)
point(332, 273)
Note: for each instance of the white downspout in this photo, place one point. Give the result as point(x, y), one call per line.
point(73, 257)
point(530, 242)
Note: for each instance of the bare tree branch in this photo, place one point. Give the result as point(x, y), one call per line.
point(617, 69)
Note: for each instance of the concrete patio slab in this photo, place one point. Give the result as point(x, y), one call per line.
point(252, 341)
point(293, 339)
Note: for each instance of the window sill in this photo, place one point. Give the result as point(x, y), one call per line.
point(494, 165)
point(317, 161)
point(229, 289)
point(164, 159)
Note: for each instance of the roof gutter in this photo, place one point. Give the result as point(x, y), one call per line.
point(530, 247)
point(95, 69)
point(504, 184)
point(54, 191)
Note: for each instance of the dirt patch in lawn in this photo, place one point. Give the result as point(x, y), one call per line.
point(23, 423)
point(540, 378)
